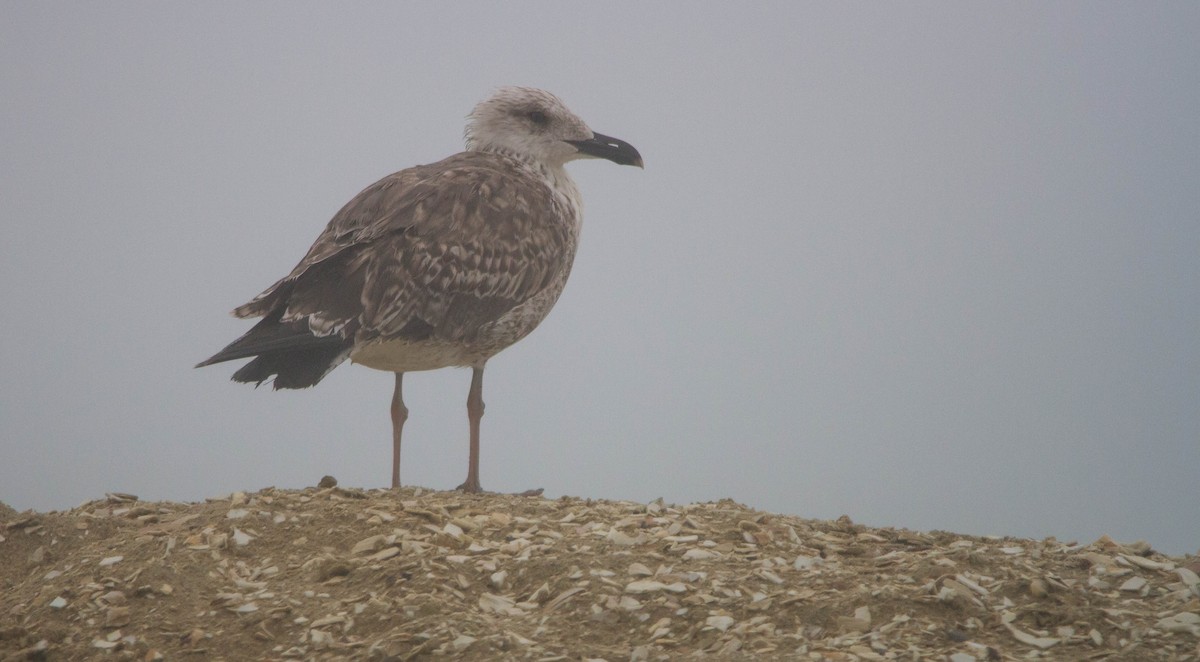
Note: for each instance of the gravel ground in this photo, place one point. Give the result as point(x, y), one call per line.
point(333, 573)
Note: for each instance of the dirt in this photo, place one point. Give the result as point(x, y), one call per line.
point(334, 573)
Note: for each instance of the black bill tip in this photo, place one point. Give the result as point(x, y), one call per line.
point(605, 147)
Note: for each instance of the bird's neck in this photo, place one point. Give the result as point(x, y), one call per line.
point(556, 176)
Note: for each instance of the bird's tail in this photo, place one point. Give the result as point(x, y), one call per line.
point(288, 351)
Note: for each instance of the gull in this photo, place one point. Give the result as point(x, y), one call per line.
point(439, 265)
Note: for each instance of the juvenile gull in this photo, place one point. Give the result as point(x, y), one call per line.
point(438, 265)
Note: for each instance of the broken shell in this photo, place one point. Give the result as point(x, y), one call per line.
point(651, 586)
point(369, 544)
point(497, 578)
point(639, 570)
point(721, 623)
point(1026, 638)
point(499, 604)
point(413, 574)
point(1133, 584)
point(241, 538)
point(621, 538)
point(115, 617)
point(1185, 622)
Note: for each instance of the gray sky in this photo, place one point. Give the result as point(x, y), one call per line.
point(930, 266)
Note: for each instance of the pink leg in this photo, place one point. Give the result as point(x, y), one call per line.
point(474, 414)
point(399, 415)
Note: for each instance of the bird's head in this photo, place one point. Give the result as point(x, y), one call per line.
point(531, 123)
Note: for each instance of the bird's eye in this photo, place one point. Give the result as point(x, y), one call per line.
point(538, 117)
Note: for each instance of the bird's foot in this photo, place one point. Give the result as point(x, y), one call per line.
point(474, 488)
point(470, 486)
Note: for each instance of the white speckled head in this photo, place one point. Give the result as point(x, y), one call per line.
point(528, 123)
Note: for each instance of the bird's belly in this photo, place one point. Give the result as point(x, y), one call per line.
point(400, 355)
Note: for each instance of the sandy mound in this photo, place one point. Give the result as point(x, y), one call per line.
point(334, 573)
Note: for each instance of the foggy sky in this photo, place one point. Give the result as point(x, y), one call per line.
point(929, 266)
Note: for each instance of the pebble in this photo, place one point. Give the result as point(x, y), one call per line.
point(319, 639)
point(847, 625)
point(806, 562)
point(58, 603)
point(110, 560)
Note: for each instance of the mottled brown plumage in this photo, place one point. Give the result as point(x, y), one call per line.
point(438, 265)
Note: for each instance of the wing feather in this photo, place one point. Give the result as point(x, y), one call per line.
point(436, 250)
